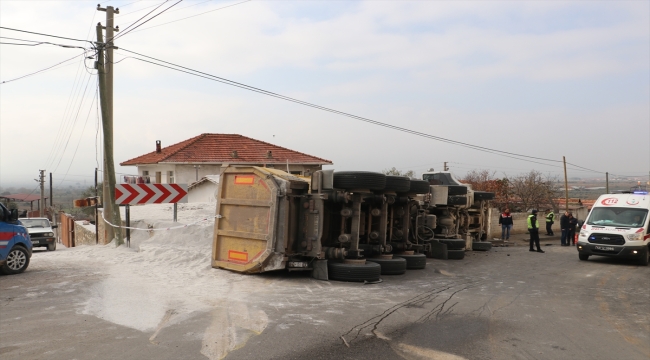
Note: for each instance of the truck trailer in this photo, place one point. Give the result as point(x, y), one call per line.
point(345, 225)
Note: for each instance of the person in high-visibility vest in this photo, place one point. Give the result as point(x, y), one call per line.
point(533, 229)
point(550, 217)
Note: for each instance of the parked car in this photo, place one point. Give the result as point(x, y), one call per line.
point(15, 244)
point(41, 233)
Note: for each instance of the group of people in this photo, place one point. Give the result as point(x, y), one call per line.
point(567, 225)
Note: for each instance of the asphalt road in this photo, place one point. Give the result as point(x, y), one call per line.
point(508, 303)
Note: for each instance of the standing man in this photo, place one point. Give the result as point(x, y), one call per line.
point(573, 223)
point(564, 227)
point(550, 217)
point(505, 220)
point(533, 229)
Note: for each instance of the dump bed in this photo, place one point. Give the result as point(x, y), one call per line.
point(252, 233)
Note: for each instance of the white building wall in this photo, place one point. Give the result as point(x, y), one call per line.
point(205, 192)
point(186, 173)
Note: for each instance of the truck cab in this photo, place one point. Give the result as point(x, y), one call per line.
point(617, 226)
point(15, 244)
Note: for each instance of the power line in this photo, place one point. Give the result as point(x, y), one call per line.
point(223, 7)
point(42, 34)
point(151, 18)
point(140, 19)
point(356, 117)
point(42, 70)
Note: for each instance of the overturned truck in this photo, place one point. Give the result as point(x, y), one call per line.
point(347, 225)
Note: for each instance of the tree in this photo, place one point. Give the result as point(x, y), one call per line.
point(534, 190)
point(394, 171)
point(485, 180)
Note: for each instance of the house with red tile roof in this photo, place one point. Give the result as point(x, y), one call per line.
point(205, 154)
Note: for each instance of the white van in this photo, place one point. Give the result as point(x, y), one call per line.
point(617, 226)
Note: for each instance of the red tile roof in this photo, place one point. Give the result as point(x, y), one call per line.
point(218, 148)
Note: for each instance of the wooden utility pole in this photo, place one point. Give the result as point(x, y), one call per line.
point(41, 180)
point(606, 183)
point(51, 196)
point(566, 187)
point(105, 72)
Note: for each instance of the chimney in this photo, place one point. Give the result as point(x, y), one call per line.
point(234, 154)
point(269, 154)
point(158, 146)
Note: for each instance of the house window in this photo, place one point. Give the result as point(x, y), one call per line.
point(145, 173)
point(170, 177)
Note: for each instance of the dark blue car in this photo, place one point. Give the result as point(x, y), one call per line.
point(15, 244)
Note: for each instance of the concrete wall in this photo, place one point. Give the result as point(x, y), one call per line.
point(521, 225)
point(83, 234)
point(186, 173)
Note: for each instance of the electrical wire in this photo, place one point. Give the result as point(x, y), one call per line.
point(151, 18)
point(185, 18)
point(360, 118)
point(73, 124)
point(82, 133)
point(42, 70)
point(140, 19)
point(42, 34)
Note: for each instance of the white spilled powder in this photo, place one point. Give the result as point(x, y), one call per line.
point(166, 277)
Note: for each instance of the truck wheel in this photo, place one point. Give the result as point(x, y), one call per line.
point(369, 271)
point(456, 190)
point(645, 258)
point(419, 187)
point(398, 184)
point(359, 180)
point(415, 261)
point(17, 261)
point(52, 246)
point(481, 246)
point(583, 257)
point(394, 266)
point(454, 244)
point(455, 254)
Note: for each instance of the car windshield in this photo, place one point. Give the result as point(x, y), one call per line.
point(35, 223)
point(621, 217)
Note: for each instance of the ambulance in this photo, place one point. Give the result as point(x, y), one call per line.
point(617, 226)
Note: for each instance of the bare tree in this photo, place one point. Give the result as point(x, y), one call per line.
point(485, 180)
point(394, 171)
point(534, 190)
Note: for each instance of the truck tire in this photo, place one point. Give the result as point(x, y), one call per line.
point(394, 266)
point(415, 261)
point(419, 187)
point(483, 195)
point(397, 183)
point(583, 256)
point(645, 258)
point(454, 244)
point(456, 190)
point(359, 180)
point(481, 246)
point(17, 261)
point(455, 254)
point(52, 246)
point(369, 271)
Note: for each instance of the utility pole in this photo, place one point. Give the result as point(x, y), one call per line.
point(445, 167)
point(96, 206)
point(606, 183)
point(566, 187)
point(105, 74)
point(51, 196)
point(41, 180)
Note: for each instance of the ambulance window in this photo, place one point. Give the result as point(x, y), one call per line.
point(3, 214)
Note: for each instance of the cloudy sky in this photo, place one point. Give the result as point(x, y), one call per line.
point(543, 79)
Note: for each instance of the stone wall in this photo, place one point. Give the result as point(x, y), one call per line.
point(83, 234)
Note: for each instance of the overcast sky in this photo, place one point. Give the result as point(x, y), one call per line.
point(536, 78)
